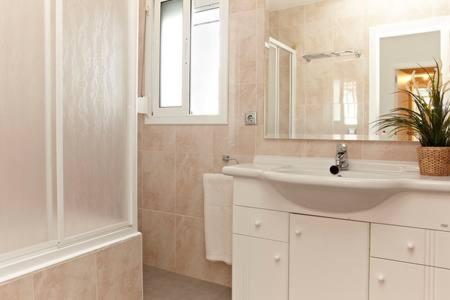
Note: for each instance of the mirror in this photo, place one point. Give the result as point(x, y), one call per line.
point(334, 66)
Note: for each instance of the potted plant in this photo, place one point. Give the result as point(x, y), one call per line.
point(428, 121)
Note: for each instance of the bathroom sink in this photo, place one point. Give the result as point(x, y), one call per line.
point(343, 174)
point(308, 182)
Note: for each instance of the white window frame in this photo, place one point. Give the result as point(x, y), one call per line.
point(181, 114)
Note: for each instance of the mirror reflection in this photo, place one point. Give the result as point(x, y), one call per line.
point(334, 66)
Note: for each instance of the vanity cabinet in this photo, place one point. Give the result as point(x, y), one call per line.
point(300, 234)
point(328, 259)
point(286, 256)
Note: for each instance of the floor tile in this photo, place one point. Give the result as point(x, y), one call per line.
point(163, 285)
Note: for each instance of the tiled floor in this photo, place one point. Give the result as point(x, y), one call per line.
point(162, 285)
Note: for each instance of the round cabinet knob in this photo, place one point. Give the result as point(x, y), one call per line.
point(381, 279)
point(298, 232)
point(258, 223)
point(277, 258)
point(411, 246)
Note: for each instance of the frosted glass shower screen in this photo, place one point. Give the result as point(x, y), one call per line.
point(67, 122)
point(95, 92)
point(26, 202)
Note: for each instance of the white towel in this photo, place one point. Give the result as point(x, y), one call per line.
point(218, 192)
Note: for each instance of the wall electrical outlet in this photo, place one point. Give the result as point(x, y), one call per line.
point(250, 118)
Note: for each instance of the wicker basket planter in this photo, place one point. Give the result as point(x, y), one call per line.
point(434, 161)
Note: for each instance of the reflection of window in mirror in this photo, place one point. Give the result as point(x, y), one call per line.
point(350, 100)
point(345, 105)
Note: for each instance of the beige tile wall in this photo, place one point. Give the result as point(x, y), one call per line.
point(111, 273)
point(173, 158)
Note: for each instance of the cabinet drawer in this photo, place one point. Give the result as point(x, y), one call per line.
point(261, 223)
point(395, 280)
point(398, 243)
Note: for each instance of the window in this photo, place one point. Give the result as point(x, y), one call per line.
point(188, 76)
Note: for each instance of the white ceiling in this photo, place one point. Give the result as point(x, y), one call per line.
point(283, 4)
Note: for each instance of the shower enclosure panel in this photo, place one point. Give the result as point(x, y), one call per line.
point(68, 128)
point(93, 87)
point(26, 133)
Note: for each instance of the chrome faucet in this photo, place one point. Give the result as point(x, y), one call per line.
point(342, 157)
point(342, 163)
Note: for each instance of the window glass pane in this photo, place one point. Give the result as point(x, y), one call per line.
point(171, 65)
point(205, 58)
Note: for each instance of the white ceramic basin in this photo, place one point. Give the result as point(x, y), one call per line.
point(308, 182)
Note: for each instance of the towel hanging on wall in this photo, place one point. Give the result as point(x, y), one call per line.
point(218, 193)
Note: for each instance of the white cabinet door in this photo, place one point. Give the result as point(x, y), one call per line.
point(441, 284)
point(329, 259)
point(260, 269)
point(390, 280)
